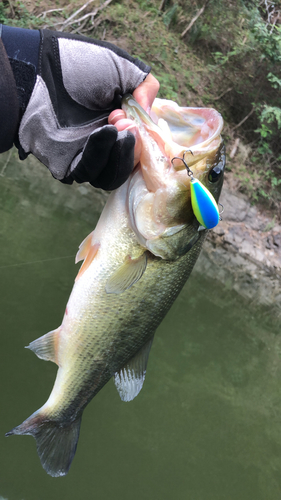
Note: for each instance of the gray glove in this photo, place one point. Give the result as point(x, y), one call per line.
point(77, 83)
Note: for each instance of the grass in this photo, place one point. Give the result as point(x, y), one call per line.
point(212, 66)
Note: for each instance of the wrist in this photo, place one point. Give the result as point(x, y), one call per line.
point(22, 48)
point(9, 104)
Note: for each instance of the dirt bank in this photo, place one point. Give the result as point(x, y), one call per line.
point(244, 251)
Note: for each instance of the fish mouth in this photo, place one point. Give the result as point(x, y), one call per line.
point(181, 128)
point(159, 190)
point(179, 131)
point(192, 133)
point(193, 128)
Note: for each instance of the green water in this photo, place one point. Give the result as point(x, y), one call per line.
point(207, 424)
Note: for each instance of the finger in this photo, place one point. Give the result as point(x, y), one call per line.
point(117, 114)
point(120, 163)
point(146, 92)
point(126, 124)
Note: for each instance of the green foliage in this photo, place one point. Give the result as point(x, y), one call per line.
point(274, 80)
point(168, 87)
point(268, 40)
point(270, 128)
point(240, 44)
point(222, 59)
point(16, 14)
point(4, 13)
point(228, 59)
point(170, 16)
point(270, 225)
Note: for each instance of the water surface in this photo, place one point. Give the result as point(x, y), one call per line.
point(206, 425)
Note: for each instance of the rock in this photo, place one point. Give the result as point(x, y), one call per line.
point(269, 242)
point(243, 254)
point(235, 207)
point(219, 230)
point(83, 190)
point(246, 247)
point(258, 255)
point(252, 219)
point(277, 240)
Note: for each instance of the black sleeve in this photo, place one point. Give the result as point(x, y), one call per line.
point(9, 103)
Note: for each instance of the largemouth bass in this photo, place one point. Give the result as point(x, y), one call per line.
point(136, 261)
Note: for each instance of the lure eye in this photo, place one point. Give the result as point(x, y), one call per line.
point(215, 174)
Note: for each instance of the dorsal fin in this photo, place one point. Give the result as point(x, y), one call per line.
point(84, 248)
point(129, 380)
point(45, 347)
point(127, 274)
point(92, 252)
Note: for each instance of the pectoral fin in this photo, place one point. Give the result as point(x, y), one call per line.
point(84, 248)
point(125, 276)
point(92, 252)
point(129, 380)
point(46, 346)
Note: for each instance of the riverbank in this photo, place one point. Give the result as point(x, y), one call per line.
point(225, 55)
point(244, 251)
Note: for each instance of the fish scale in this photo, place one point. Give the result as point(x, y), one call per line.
point(135, 263)
point(136, 323)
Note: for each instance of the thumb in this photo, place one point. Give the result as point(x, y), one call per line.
point(146, 92)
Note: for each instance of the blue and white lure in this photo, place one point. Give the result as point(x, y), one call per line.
point(203, 203)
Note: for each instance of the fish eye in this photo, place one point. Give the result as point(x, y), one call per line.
point(215, 174)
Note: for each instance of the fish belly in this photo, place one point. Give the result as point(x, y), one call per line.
point(101, 332)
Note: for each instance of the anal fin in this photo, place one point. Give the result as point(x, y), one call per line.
point(129, 380)
point(127, 274)
point(45, 347)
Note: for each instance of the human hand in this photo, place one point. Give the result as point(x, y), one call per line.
point(126, 146)
point(75, 84)
point(144, 94)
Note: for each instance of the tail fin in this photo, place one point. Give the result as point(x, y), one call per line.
point(56, 442)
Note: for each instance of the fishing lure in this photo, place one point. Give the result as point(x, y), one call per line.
point(203, 203)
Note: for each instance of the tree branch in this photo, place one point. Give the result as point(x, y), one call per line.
point(244, 119)
point(194, 19)
point(234, 149)
point(221, 95)
point(73, 18)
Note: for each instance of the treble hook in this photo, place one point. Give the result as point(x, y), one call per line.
point(203, 203)
point(221, 212)
point(189, 171)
